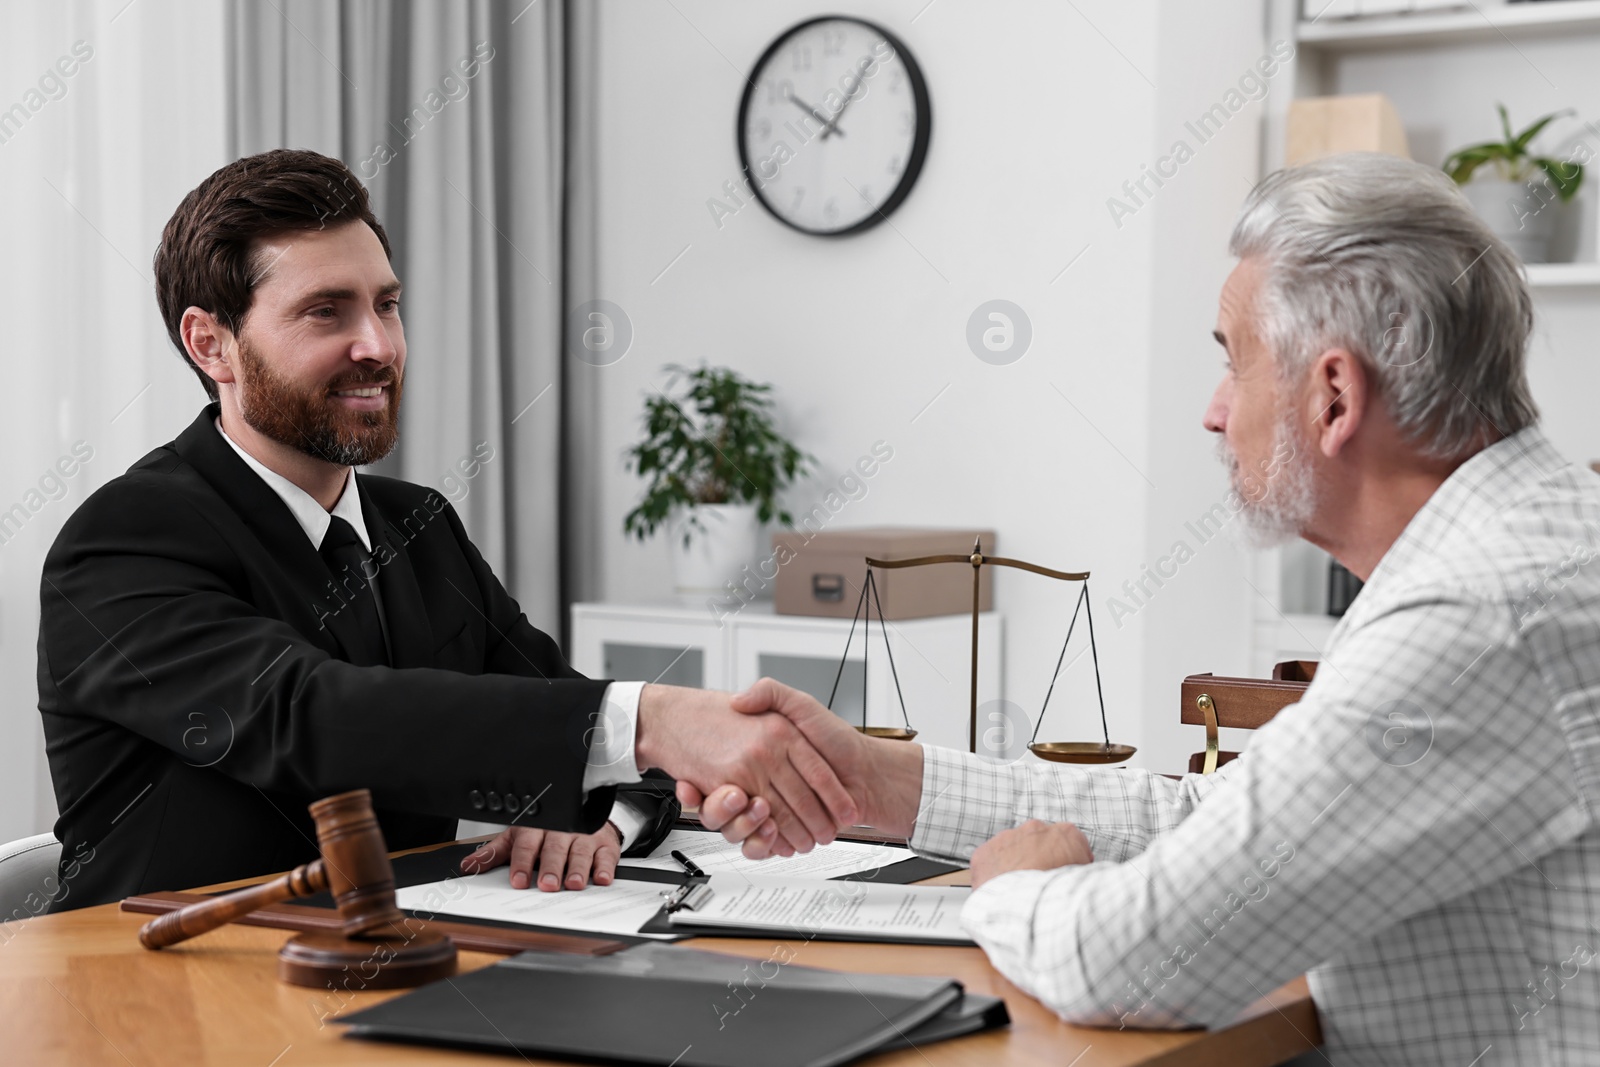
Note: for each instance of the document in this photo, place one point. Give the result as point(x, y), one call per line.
point(856, 910)
point(715, 856)
point(619, 908)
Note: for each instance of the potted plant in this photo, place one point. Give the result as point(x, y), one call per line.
point(1516, 194)
point(716, 463)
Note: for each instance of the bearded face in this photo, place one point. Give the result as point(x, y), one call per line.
point(351, 420)
point(1277, 492)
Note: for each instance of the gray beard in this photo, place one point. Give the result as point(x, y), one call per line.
point(1283, 511)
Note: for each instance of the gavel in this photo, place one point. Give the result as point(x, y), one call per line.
point(354, 867)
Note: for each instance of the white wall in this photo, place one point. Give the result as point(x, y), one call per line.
point(87, 182)
point(1040, 113)
point(1197, 620)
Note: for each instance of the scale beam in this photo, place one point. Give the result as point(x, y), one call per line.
point(1060, 751)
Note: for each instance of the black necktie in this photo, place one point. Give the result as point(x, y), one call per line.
point(341, 550)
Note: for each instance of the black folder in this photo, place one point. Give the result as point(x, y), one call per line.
point(665, 1004)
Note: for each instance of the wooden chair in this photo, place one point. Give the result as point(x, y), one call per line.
point(1214, 701)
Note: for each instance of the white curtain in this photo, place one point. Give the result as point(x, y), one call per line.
point(451, 114)
point(109, 113)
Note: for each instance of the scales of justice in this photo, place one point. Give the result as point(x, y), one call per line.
point(1102, 751)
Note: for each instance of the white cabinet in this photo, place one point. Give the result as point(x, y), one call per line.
point(683, 643)
point(636, 644)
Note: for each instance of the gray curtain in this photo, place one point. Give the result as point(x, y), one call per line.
point(451, 113)
point(583, 380)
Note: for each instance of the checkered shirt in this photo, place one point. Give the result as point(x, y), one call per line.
point(1416, 833)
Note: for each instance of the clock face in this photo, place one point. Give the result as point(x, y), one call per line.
point(834, 124)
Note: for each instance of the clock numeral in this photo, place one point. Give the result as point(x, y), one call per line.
point(799, 194)
point(897, 79)
point(764, 129)
point(830, 210)
point(894, 165)
point(779, 90)
point(832, 42)
point(866, 194)
point(907, 122)
point(802, 57)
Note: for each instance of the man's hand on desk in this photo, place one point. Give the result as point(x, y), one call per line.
point(570, 860)
point(883, 777)
point(694, 736)
point(1033, 846)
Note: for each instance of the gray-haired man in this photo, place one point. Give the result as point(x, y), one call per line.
point(1418, 832)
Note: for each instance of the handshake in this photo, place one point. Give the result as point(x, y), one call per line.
point(777, 772)
point(774, 769)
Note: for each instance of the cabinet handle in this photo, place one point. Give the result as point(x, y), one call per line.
point(828, 588)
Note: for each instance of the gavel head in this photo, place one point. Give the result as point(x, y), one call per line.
point(356, 860)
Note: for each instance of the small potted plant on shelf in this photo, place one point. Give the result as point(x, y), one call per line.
point(716, 463)
point(1514, 190)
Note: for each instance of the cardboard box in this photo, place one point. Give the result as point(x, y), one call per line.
point(821, 573)
point(1324, 125)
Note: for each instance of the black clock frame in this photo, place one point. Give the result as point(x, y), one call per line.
point(919, 143)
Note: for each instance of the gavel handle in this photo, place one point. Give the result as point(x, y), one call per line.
point(196, 919)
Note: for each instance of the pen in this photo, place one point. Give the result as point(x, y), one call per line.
point(688, 864)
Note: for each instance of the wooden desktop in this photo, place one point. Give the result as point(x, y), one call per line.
point(78, 988)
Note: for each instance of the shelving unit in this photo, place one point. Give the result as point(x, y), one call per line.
point(1478, 23)
point(1563, 275)
point(1445, 70)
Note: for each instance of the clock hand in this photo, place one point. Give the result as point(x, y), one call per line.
point(827, 123)
point(860, 81)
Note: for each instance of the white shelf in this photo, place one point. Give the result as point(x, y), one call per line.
point(1304, 636)
point(1451, 27)
point(1562, 275)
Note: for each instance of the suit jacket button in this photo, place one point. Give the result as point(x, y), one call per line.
point(512, 803)
point(530, 806)
point(477, 800)
point(494, 801)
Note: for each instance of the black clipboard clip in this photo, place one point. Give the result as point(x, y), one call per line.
point(688, 897)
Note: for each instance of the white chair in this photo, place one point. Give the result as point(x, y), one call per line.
point(27, 876)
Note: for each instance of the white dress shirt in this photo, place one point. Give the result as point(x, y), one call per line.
point(1417, 832)
point(611, 758)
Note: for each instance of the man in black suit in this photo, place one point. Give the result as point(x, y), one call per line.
point(241, 624)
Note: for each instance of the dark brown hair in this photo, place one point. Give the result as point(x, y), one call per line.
point(208, 255)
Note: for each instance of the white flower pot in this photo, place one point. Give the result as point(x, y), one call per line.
point(1522, 214)
point(718, 551)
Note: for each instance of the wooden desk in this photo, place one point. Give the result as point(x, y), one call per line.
point(77, 988)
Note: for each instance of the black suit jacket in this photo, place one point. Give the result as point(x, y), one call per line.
point(196, 698)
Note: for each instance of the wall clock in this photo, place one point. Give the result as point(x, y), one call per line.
point(833, 125)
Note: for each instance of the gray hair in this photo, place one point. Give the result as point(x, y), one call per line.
point(1385, 258)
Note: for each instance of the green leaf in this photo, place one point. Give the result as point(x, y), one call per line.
point(1520, 143)
point(1564, 176)
point(1464, 163)
point(711, 441)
